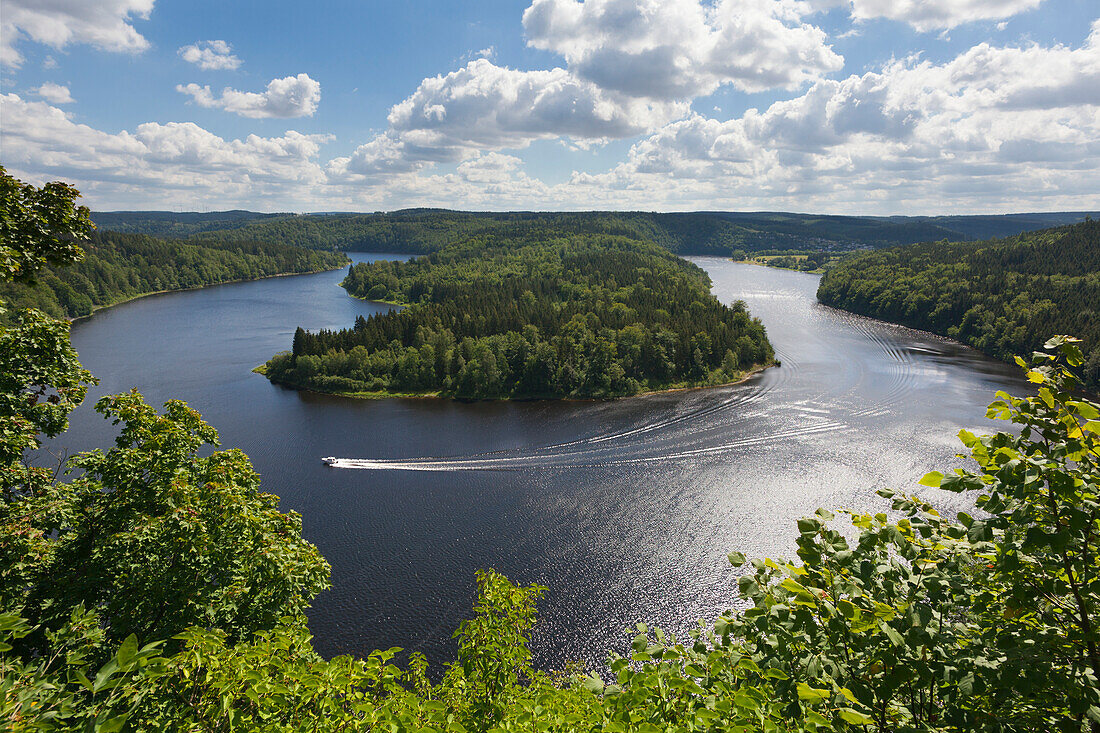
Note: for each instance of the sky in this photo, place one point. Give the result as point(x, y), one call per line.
point(871, 107)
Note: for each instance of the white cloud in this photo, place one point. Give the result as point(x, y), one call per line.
point(105, 24)
point(293, 96)
point(210, 55)
point(156, 164)
point(55, 93)
point(1014, 126)
point(680, 49)
point(930, 15)
point(487, 107)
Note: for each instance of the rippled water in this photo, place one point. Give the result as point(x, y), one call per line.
point(625, 510)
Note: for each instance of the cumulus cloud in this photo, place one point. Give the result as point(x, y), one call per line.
point(292, 96)
point(210, 55)
point(105, 24)
point(930, 15)
point(156, 164)
point(55, 93)
point(1019, 124)
point(679, 49)
point(483, 106)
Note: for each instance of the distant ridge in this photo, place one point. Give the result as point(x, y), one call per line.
point(419, 230)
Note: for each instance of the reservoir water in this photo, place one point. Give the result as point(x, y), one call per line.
point(624, 510)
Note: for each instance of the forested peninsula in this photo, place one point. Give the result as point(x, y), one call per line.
point(119, 267)
point(543, 312)
point(1002, 296)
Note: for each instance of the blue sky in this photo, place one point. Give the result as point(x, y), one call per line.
point(837, 106)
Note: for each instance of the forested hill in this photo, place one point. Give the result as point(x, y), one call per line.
point(543, 314)
point(119, 267)
point(419, 231)
point(1003, 296)
point(175, 224)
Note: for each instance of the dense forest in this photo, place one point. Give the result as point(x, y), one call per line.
point(531, 313)
point(420, 231)
point(1001, 296)
point(175, 223)
point(161, 590)
point(119, 267)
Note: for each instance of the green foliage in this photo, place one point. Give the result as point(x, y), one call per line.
point(118, 267)
point(39, 226)
point(1002, 296)
point(493, 655)
point(155, 538)
point(545, 315)
point(150, 539)
point(1039, 595)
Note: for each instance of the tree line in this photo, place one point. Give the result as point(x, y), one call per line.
point(1001, 296)
point(420, 231)
point(538, 314)
point(118, 267)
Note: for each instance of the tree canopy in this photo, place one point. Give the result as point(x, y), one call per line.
point(1002, 296)
point(531, 314)
point(117, 267)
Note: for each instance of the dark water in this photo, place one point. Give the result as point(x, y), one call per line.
point(624, 510)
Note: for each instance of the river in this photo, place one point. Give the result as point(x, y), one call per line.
point(624, 510)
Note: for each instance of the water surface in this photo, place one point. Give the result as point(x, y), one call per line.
point(625, 510)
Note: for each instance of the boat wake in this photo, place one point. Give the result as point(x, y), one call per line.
point(580, 458)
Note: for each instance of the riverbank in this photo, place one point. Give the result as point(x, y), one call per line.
point(766, 262)
point(438, 395)
point(99, 308)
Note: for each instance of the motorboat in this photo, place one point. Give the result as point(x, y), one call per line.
point(329, 460)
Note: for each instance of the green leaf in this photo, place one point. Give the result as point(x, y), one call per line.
point(594, 685)
point(895, 638)
point(111, 725)
point(809, 526)
point(1054, 342)
point(933, 479)
point(128, 651)
point(737, 559)
point(854, 717)
point(812, 695)
point(1086, 410)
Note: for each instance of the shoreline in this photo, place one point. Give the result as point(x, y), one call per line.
point(385, 395)
point(777, 267)
point(98, 308)
point(371, 300)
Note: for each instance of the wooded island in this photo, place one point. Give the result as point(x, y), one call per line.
point(531, 312)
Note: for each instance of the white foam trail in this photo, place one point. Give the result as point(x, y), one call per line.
point(535, 461)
